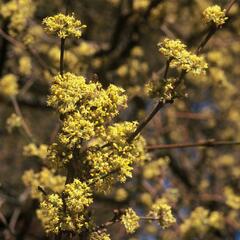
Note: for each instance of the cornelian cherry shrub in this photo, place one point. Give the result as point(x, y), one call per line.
point(119, 119)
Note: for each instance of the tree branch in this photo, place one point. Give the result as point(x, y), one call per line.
point(207, 143)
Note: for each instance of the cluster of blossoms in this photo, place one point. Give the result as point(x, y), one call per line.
point(118, 154)
point(135, 66)
point(8, 85)
point(200, 222)
point(215, 14)
point(181, 58)
point(46, 179)
point(86, 109)
point(163, 212)
point(84, 106)
point(25, 65)
point(32, 150)
point(18, 12)
point(64, 25)
point(57, 214)
point(130, 220)
point(232, 199)
point(140, 4)
point(163, 89)
point(99, 236)
point(155, 168)
point(121, 194)
point(14, 121)
point(50, 213)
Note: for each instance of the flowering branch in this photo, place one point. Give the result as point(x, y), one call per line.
point(213, 29)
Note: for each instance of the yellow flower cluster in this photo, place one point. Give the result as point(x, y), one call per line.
point(215, 14)
point(130, 220)
point(232, 200)
point(162, 211)
point(58, 156)
point(163, 89)
point(14, 121)
point(135, 65)
point(25, 65)
point(88, 105)
point(78, 196)
point(117, 155)
point(200, 222)
point(31, 150)
point(154, 169)
point(47, 179)
point(70, 217)
point(140, 4)
point(50, 213)
point(64, 25)
point(146, 199)
point(69, 92)
point(99, 236)
point(121, 194)
point(75, 128)
point(18, 11)
point(180, 58)
point(8, 85)
point(171, 195)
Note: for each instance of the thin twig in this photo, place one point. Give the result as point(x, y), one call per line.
point(61, 66)
point(207, 143)
point(149, 218)
point(24, 124)
point(5, 223)
point(116, 218)
point(146, 121)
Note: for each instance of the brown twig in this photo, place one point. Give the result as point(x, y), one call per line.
point(61, 66)
point(116, 218)
point(24, 124)
point(207, 143)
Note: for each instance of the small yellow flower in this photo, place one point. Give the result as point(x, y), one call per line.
point(78, 196)
point(64, 25)
point(232, 199)
point(180, 58)
point(31, 150)
point(215, 14)
point(200, 222)
point(8, 85)
point(25, 65)
point(163, 212)
point(99, 236)
point(121, 194)
point(47, 179)
point(50, 212)
point(14, 121)
point(162, 89)
point(140, 4)
point(130, 220)
point(18, 13)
